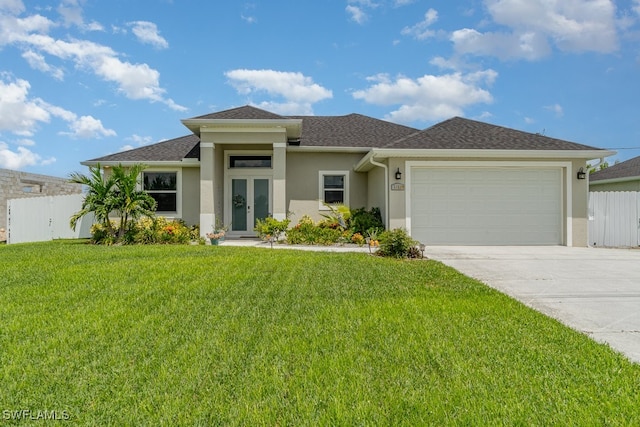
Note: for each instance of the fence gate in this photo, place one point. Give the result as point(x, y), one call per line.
point(38, 219)
point(614, 218)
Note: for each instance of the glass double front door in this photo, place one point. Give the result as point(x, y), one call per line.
point(250, 201)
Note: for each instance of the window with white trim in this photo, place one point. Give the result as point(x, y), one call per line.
point(163, 187)
point(334, 187)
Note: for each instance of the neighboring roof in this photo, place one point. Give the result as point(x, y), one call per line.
point(627, 169)
point(166, 151)
point(465, 134)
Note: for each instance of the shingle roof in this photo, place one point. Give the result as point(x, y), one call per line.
point(465, 134)
point(353, 130)
point(171, 150)
point(358, 131)
point(627, 169)
point(245, 112)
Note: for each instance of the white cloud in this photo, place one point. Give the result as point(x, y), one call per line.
point(298, 91)
point(287, 108)
point(445, 64)
point(135, 81)
point(21, 115)
point(528, 45)
point(18, 114)
point(249, 19)
point(429, 97)
point(20, 158)
point(555, 109)
point(26, 142)
point(13, 6)
point(147, 32)
point(140, 140)
point(422, 30)
point(71, 13)
point(87, 127)
point(357, 14)
point(37, 61)
point(534, 25)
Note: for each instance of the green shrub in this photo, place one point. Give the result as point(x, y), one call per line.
point(363, 220)
point(101, 235)
point(308, 232)
point(147, 231)
point(340, 216)
point(271, 228)
point(396, 243)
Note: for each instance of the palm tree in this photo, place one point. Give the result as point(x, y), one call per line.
point(116, 194)
point(99, 198)
point(131, 203)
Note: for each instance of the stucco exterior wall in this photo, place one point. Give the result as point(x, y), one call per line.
point(376, 190)
point(303, 171)
point(191, 195)
point(397, 198)
point(18, 185)
point(580, 193)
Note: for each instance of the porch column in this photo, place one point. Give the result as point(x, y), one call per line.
point(279, 180)
point(207, 213)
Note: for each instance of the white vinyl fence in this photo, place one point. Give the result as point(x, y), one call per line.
point(38, 219)
point(614, 218)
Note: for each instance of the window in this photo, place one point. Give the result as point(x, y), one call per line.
point(334, 187)
point(162, 186)
point(249, 162)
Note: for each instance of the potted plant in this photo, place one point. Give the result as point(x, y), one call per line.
point(215, 236)
point(219, 231)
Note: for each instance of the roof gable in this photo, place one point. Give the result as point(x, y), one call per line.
point(246, 112)
point(465, 134)
point(627, 169)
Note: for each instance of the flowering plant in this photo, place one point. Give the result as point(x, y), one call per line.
point(217, 234)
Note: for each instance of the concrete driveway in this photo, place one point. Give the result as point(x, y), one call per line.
point(595, 291)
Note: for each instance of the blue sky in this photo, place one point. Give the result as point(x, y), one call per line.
point(84, 78)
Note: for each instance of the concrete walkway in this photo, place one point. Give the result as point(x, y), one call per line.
point(257, 243)
point(595, 291)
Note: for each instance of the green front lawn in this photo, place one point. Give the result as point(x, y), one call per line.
point(201, 335)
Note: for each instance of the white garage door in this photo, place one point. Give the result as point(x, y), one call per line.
point(486, 206)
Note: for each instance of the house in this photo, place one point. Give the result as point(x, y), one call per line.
point(459, 182)
point(623, 176)
point(20, 185)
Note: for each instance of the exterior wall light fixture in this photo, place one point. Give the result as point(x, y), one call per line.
point(398, 174)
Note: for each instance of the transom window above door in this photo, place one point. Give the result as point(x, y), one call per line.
point(249, 161)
